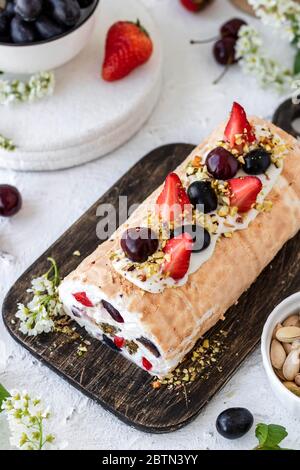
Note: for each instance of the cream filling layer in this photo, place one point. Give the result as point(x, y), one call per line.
point(91, 319)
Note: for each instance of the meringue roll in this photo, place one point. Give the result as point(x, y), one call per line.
point(152, 297)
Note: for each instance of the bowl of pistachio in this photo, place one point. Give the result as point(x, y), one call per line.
point(39, 35)
point(280, 347)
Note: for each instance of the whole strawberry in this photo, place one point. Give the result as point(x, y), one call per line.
point(128, 45)
point(194, 5)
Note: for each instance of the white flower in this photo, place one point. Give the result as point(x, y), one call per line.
point(253, 61)
point(37, 316)
point(27, 418)
point(38, 86)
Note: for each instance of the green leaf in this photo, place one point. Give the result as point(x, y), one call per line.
point(3, 395)
point(270, 436)
point(297, 63)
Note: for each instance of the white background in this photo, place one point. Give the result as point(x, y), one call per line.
point(189, 107)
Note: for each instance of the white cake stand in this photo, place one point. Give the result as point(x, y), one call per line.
point(86, 117)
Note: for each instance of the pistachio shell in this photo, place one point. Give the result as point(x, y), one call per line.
point(297, 380)
point(292, 387)
point(292, 320)
point(288, 334)
point(291, 367)
point(277, 354)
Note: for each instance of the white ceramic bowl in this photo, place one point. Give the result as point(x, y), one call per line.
point(48, 54)
point(289, 306)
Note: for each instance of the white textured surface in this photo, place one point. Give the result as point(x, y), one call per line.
point(189, 108)
point(86, 117)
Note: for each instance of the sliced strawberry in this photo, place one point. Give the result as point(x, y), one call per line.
point(178, 254)
point(238, 124)
point(146, 364)
point(83, 299)
point(244, 192)
point(173, 199)
point(119, 342)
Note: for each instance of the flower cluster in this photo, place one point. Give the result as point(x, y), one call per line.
point(253, 61)
point(38, 315)
point(26, 418)
point(280, 14)
point(6, 144)
point(283, 15)
point(37, 87)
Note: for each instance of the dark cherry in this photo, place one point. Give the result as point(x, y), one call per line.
point(234, 422)
point(202, 193)
point(139, 243)
point(231, 28)
point(113, 312)
point(200, 235)
point(10, 200)
point(221, 164)
point(109, 342)
point(257, 162)
point(224, 51)
point(149, 345)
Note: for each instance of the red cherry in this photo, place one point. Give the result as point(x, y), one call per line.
point(146, 364)
point(10, 200)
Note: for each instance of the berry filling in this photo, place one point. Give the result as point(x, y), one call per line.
point(119, 342)
point(109, 342)
point(149, 345)
point(113, 312)
point(83, 299)
point(146, 364)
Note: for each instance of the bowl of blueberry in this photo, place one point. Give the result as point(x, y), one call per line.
point(39, 35)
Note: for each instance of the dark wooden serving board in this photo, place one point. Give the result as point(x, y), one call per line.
point(108, 378)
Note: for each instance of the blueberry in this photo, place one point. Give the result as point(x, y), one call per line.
point(85, 3)
point(29, 10)
point(257, 162)
point(200, 236)
point(21, 31)
point(47, 28)
point(202, 193)
point(234, 422)
point(4, 24)
point(10, 9)
point(66, 12)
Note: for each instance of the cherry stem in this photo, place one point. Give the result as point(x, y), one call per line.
point(215, 82)
point(203, 41)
